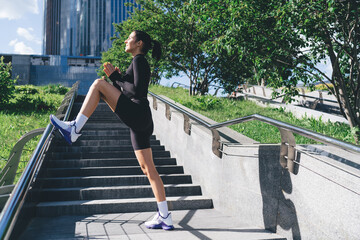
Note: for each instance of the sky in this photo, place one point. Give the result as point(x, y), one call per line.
point(21, 25)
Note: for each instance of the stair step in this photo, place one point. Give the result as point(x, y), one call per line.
point(115, 192)
point(102, 106)
point(96, 155)
point(85, 138)
point(92, 149)
point(99, 181)
point(100, 131)
point(87, 207)
point(103, 137)
point(98, 143)
point(71, 163)
point(117, 125)
point(108, 171)
point(103, 112)
point(104, 162)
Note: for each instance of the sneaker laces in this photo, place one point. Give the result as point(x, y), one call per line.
point(73, 124)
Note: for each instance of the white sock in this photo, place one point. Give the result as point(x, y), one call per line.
point(163, 209)
point(80, 122)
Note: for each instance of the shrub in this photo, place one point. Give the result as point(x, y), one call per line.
point(207, 102)
point(56, 89)
point(37, 102)
point(7, 84)
point(322, 87)
point(26, 89)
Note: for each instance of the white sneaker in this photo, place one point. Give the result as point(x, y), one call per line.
point(67, 129)
point(159, 222)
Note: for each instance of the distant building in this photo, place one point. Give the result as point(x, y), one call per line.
point(49, 69)
point(81, 27)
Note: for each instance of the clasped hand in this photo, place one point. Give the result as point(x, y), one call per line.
point(109, 69)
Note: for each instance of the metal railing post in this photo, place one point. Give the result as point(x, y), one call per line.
point(187, 124)
point(216, 143)
point(154, 103)
point(167, 112)
point(303, 92)
point(321, 97)
point(287, 149)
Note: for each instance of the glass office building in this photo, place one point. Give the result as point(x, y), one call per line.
point(81, 27)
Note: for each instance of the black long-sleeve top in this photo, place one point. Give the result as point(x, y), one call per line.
point(134, 84)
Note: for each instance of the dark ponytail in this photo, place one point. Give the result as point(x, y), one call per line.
point(148, 44)
point(156, 52)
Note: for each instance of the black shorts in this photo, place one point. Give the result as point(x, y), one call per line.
point(137, 116)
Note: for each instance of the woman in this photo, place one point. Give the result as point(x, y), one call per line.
point(127, 97)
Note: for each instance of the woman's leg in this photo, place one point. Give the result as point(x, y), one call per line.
point(100, 89)
point(163, 218)
point(144, 156)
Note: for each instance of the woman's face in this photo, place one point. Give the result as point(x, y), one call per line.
point(131, 44)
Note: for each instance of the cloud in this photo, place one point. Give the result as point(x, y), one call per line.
point(20, 47)
point(28, 34)
point(15, 9)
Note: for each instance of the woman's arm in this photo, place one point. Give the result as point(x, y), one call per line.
point(140, 74)
point(113, 74)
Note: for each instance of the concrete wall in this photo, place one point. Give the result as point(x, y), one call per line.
point(21, 68)
point(66, 76)
point(55, 69)
point(320, 202)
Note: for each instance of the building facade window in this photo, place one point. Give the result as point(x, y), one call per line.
point(82, 27)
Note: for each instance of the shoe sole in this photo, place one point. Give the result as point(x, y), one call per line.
point(161, 226)
point(64, 133)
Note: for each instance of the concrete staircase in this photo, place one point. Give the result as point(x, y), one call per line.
point(95, 189)
point(100, 173)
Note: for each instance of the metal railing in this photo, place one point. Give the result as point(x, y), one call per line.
point(15, 202)
point(217, 88)
point(11, 169)
point(288, 144)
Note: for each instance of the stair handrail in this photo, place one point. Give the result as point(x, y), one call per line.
point(287, 149)
point(13, 206)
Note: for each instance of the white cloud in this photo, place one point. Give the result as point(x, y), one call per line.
point(15, 9)
point(20, 47)
point(28, 34)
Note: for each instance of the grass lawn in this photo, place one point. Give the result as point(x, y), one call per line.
point(28, 110)
point(223, 109)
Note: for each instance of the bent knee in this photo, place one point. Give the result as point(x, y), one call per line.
point(98, 82)
point(144, 169)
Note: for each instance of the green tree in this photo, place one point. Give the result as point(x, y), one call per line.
point(238, 26)
point(187, 41)
point(293, 37)
point(7, 84)
point(329, 31)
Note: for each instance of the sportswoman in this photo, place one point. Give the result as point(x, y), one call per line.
point(127, 97)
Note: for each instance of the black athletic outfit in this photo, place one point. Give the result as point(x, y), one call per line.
point(132, 106)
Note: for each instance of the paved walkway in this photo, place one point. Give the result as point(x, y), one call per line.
point(189, 224)
point(298, 111)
